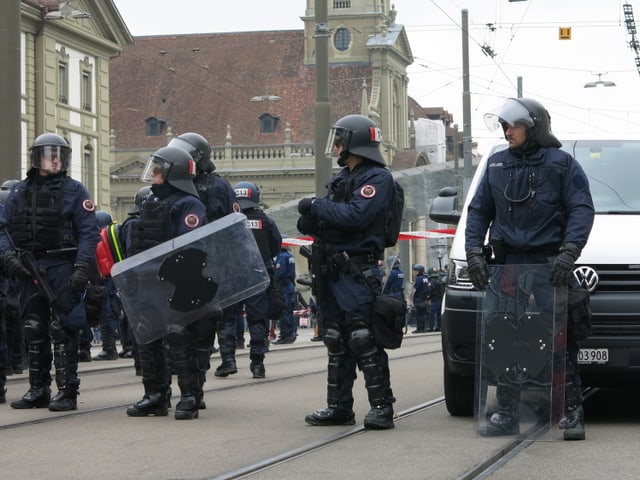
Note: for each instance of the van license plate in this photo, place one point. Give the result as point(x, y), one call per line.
point(593, 355)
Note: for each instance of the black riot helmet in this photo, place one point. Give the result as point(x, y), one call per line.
point(103, 218)
point(176, 166)
point(5, 190)
point(198, 147)
point(141, 196)
point(528, 112)
point(247, 194)
point(358, 135)
point(50, 153)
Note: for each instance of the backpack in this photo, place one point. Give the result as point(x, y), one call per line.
point(393, 215)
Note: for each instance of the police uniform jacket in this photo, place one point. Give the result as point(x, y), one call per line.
point(395, 283)
point(48, 213)
point(350, 220)
point(182, 214)
point(533, 204)
point(285, 268)
point(421, 290)
point(217, 195)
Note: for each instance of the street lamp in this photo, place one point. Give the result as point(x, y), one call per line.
point(604, 83)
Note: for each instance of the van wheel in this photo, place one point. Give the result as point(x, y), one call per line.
point(458, 393)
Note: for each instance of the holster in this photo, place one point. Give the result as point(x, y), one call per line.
point(319, 274)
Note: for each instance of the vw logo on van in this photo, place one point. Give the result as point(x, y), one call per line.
point(587, 277)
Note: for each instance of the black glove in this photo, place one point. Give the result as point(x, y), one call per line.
point(307, 224)
point(13, 266)
point(80, 277)
point(478, 268)
point(563, 265)
point(304, 206)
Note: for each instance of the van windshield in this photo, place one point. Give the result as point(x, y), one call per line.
point(613, 168)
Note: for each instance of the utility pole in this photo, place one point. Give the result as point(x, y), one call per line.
point(323, 108)
point(10, 130)
point(466, 107)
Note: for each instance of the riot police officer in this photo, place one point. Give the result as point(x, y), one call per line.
point(52, 217)
point(394, 285)
point(256, 307)
point(172, 209)
point(347, 226)
point(16, 352)
point(220, 199)
point(420, 301)
point(534, 200)
point(285, 276)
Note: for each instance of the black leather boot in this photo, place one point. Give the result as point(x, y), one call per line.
point(109, 351)
point(572, 423)
point(331, 416)
point(152, 403)
point(379, 418)
point(227, 367)
point(39, 394)
point(202, 365)
point(187, 407)
point(506, 420)
point(376, 379)
point(65, 400)
point(257, 365)
point(36, 397)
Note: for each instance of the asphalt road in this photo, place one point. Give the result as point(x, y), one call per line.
point(255, 429)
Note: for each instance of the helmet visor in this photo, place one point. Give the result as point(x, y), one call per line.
point(335, 142)
point(51, 159)
point(155, 169)
point(510, 112)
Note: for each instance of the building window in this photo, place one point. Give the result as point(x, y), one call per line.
point(341, 3)
point(88, 169)
point(268, 123)
point(342, 39)
point(86, 91)
point(86, 84)
point(155, 126)
point(63, 83)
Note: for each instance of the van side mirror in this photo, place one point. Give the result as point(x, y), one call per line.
point(444, 208)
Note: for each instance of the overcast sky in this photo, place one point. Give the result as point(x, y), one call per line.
point(523, 36)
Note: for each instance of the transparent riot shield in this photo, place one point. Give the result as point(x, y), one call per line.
point(190, 277)
point(520, 354)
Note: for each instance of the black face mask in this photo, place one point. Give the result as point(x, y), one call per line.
point(529, 147)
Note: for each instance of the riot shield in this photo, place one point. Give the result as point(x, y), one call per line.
point(520, 354)
point(191, 277)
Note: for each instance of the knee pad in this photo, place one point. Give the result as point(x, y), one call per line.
point(33, 328)
point(334, 341)
point(361, 341)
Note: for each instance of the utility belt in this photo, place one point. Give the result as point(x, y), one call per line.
point(58, 253)
point(501, 250)
point(358, 266)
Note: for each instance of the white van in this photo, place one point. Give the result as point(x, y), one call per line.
point(609, 267)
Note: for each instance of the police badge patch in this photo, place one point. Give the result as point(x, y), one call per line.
point(192, 220)
point(368, 191)
point(88, 205)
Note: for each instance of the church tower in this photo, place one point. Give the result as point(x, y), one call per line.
point(364, 32)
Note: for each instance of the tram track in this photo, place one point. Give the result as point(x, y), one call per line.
point(209, 386)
